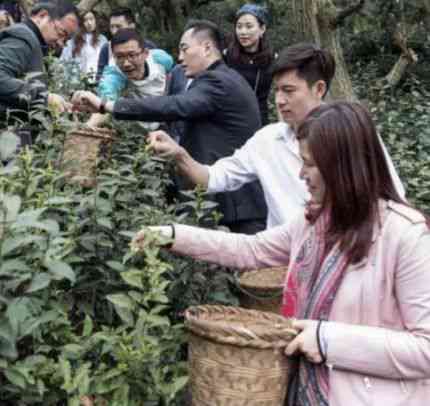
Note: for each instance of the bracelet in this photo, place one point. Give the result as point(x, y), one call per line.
point(102, 108)
point(170, 244)
point(320, 347)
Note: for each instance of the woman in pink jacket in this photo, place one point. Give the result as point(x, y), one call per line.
point(359, 270)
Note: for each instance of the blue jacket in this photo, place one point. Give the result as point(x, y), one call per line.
point(113, 82)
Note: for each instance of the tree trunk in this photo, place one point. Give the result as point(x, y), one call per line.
point(407, 58)
point(316, 21)
point(426, 5)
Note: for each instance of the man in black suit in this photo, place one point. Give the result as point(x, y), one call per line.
point(220, 112)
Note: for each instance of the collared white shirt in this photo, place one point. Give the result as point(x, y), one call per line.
point(272, 157)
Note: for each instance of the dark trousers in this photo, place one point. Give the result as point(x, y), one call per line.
point(247, 226)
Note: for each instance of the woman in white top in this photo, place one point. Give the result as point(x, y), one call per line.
point(85, 47)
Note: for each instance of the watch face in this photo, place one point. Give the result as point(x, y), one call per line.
point(102, 108)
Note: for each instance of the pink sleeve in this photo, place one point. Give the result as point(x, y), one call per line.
point(392, 353)
point(266, 249)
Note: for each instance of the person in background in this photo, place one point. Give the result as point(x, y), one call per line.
point(219, 109)
point(136, 73)
point(6, 20)
point(84, 48)
point(250, 53)
point(302, 76)
point(120, 18)
point(358, 284)
point(10, 13)
point(22, 48)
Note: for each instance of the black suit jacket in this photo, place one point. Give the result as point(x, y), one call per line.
point(221, 113)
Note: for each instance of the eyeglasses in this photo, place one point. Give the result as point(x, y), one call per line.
point(131, 57)
point(61, 32)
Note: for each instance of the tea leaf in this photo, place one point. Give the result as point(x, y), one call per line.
point(40, 281)
point(60, 270)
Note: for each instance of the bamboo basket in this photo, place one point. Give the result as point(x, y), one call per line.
point(236, 356)
point(82, 148)
point(262, 289)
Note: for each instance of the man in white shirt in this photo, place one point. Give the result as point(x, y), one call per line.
point(302, 76)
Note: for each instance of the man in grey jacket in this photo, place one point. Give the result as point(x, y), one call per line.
point(22, 48)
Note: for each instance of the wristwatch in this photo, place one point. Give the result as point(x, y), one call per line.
point(102, 108)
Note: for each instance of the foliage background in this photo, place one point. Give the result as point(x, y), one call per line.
point(368, 44)
point(79, 314)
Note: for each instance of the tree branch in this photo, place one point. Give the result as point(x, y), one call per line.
point(343, 14)
point(87, 5)
point(408, 56)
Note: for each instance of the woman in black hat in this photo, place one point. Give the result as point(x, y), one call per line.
point(250, 53)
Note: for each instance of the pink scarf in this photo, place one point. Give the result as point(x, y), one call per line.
point(313, 280)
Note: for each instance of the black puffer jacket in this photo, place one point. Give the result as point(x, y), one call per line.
point(259, 78)
point(21, 53)
point(220, 113)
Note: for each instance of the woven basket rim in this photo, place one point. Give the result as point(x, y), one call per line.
point(103, 133)
point(257, 279)
point(269, 331)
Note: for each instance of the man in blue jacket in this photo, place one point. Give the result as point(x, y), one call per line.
point(120, 19)
point(220, 113)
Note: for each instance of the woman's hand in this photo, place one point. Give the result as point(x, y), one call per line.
point(140, 239)
point(137, 243)
point(306, 342)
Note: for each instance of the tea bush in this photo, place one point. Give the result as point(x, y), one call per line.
point(79, 313)
point(402, 116)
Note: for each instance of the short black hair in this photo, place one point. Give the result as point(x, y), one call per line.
point(208, 29)
point(124, 12)
point(311, 62)
point(56, 9)
point(127, 34)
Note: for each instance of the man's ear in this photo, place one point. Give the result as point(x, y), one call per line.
point(321, 88)
point(42, 14)
point(41, 18)
point(207, 47)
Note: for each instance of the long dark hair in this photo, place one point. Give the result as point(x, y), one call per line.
point(80, 36)
point(236, 54)
point(344, 144)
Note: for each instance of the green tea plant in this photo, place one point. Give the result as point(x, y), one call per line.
point(402, 116)
point(80, 314)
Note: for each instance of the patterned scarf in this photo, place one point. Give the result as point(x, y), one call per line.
point(313, 280)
